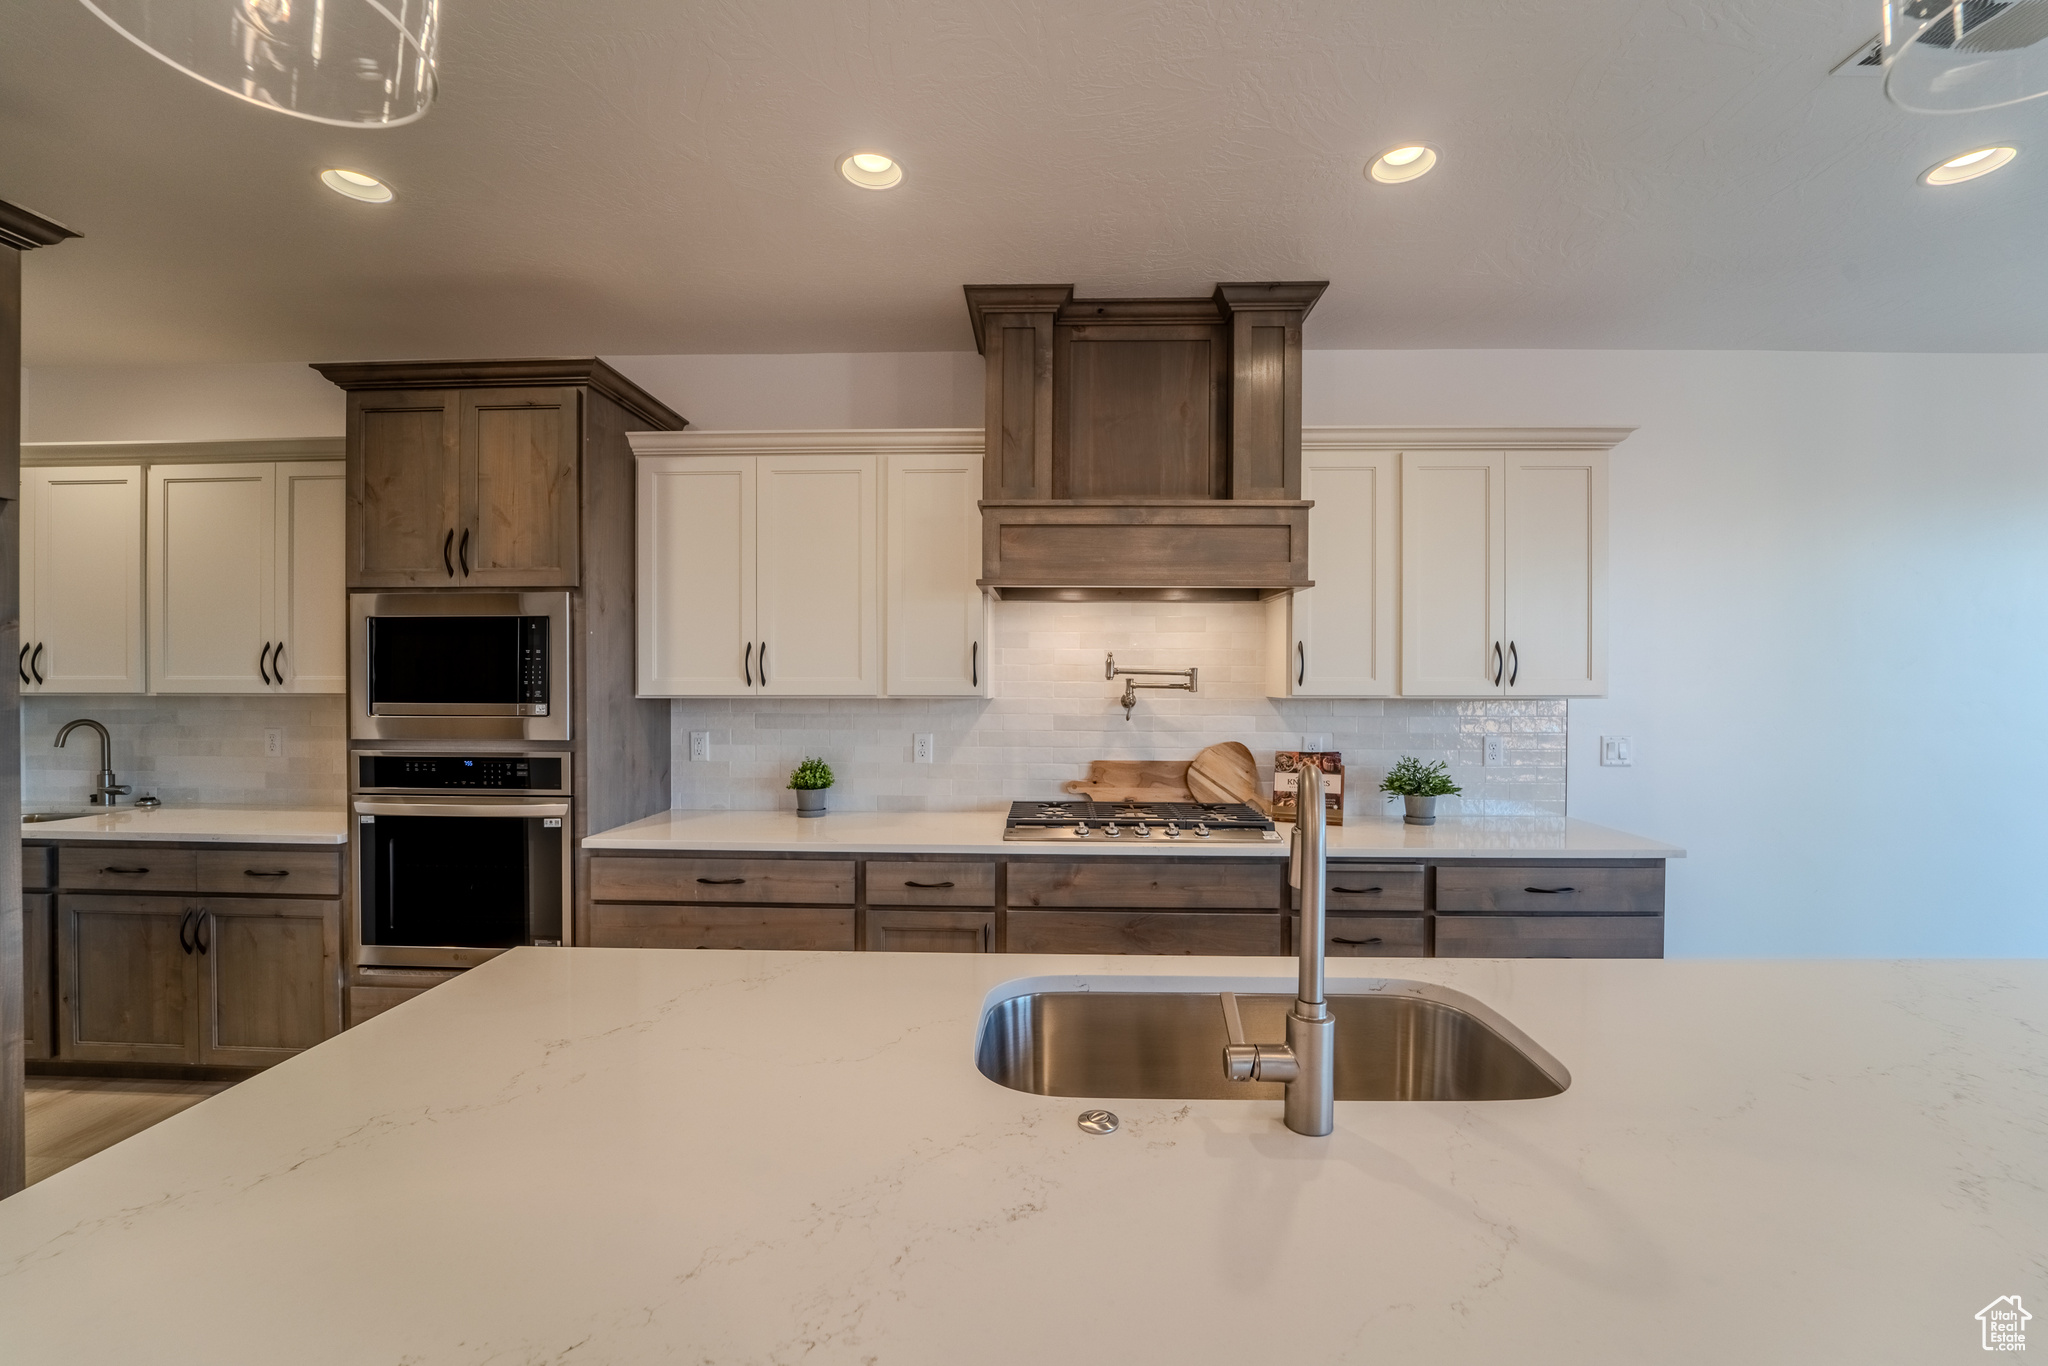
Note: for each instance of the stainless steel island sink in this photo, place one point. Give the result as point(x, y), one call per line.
point(1400, 1041)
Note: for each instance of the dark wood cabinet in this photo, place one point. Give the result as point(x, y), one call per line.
point(1377, 908)
point(167, 974)
point(38, 1022)
point(404, 488)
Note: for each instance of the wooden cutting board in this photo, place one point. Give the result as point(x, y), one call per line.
point(1134, 780)
point(1225, 773)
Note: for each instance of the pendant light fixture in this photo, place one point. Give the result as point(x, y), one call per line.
point(355, 63)
point(1960, 56)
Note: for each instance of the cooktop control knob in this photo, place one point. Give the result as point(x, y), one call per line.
point(1142, 831)
point(1202, 829)
point(1111, 830)
point(1081, 831)
point(1172, 830)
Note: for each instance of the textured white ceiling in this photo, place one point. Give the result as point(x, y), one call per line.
point(646, 176)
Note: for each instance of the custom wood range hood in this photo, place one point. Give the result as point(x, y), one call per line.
point(1143, 448)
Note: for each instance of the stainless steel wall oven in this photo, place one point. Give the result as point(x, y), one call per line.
point(459, 666)
point(459, 856)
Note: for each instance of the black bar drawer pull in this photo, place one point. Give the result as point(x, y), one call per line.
point(929, 886)
point(1550, 891)
point(721, 881)
point(263, 872)
point(1358, 891)
point(1357, 943)
point(135, 872)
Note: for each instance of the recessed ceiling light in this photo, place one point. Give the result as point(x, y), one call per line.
point(1968, 166)
point(871, 170)
point(356, 185)
point(1398, 164)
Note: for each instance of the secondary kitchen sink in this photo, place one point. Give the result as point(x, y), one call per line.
point(1400, 1041)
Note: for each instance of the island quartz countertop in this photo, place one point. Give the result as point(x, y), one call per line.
point(194, 825)
point(722, 1157)
point(981, 833)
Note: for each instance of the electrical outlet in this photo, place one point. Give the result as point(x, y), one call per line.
point(1496, 750)
point(921, 748)
point(700, 746)
point(1314, 744)
point(1616, 752)
point(273, 743)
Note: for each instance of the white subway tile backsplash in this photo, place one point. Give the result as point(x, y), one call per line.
point(1053, 712)
point(190, 751)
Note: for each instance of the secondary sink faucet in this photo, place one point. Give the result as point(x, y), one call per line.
point(108, 790)
point(1307, 1062)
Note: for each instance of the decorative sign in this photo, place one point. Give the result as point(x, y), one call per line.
point(1287, 766)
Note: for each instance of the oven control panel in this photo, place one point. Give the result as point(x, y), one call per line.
point(460, 772)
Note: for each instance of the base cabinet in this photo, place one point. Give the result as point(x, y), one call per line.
point(1377, 908)
point(161, 972)
point(37, 1021)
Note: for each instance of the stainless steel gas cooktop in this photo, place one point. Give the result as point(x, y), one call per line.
point(1152, 822)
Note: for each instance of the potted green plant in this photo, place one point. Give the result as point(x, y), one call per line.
point(809, 780)
point(1419, 785)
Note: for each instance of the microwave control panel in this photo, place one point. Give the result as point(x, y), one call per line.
point(533, 664)
point(459, 772)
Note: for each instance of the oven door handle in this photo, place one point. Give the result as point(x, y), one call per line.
point(520, 810)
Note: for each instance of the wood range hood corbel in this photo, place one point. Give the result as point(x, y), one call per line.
point(1143, 448)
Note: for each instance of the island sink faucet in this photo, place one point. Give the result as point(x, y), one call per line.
point(108, 790)
point(1307, 1062)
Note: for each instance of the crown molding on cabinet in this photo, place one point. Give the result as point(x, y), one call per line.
point(931, 440)
point(180, 452)
point(25, 230)
point(523, 373)
point(1466, 438)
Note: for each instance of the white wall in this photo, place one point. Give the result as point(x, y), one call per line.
point(1830, 631)
point(1830, 596)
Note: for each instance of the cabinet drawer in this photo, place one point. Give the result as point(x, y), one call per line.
point(931, 884)
point(38, 867)
point(906, 931)
point(1370, 887)
point(260, 872)
point(1145, 882)
point(1551, 889)
point(1142, 932)
point(1372, 936)
point(818, 881)
point(720, 927)
point(1550, 936)
point(127, 868)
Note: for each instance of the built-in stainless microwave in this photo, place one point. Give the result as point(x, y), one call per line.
point(459, 666)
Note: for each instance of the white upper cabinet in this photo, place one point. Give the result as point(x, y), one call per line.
point(312, 596)
point(1337, 639)
point(937, 618)
point(697, 584)
point(245, 586)
point(1453, 520)
point(212, 577)
point(817, 611)
point(1503, 573)
point(81, 579)
point(762, 564)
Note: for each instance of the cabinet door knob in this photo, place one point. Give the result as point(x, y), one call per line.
point(35, 662)
point(974, 665)
point(1550, 891)
point(721, 881)
point(200, 920)
point(266, 872)
point(928, 886)
point(1357, 943)
point(21, 664)
point(764, 663)
point(1496, 664)
point(1514, 664)
point(263, 664)
point(1355, 891)
point(129, 872)
point(462, 553)
point(184, 924)
point(447, 545)
point(749, 666)
point(277, 664)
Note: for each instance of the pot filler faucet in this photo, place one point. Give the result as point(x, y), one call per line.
point(1307, 1062)
point(1111, 672)
point(107, 791)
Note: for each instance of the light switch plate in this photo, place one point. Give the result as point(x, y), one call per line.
point(1616, 752)
point(700, 746)
point(1496, 750)
point(273, 743)
point(921, 748)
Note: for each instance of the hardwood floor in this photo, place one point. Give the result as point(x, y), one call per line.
point(71, 1118)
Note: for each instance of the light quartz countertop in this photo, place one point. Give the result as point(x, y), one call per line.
point(981, 832)
point(196, 825)
point(610, 1156)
